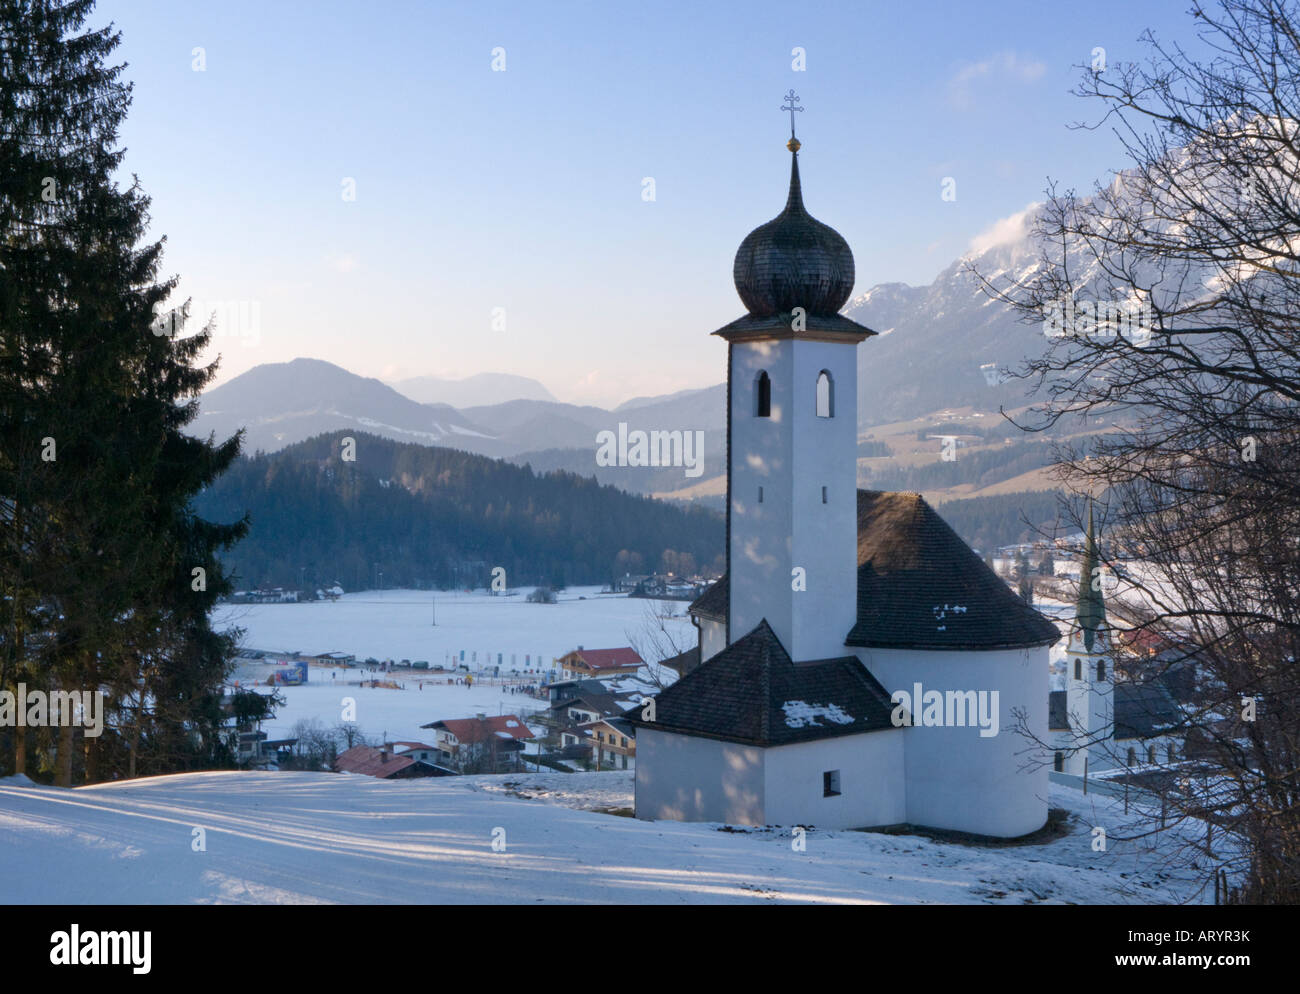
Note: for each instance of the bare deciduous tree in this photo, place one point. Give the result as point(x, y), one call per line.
point(1172, 295)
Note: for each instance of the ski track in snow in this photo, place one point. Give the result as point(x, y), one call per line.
point(319, 837)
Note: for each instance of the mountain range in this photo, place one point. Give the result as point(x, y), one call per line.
point(935, 351)
point(478, 389)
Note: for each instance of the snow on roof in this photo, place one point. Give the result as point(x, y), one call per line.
point(799, 714)
point(475, 729)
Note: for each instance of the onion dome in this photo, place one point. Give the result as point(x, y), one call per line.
point(794, 260)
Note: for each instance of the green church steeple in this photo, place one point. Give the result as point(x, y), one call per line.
point(1091, 606)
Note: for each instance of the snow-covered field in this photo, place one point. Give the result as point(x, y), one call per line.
point(318, 837)
point(397, 624)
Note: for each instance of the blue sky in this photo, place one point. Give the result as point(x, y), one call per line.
point(479, 189)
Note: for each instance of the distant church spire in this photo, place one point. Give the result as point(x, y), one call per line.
point(1091, 606)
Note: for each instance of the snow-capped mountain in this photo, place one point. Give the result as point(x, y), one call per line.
point(933, 340)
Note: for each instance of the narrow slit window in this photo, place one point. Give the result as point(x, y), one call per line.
point(760, 495)
point(764, 391)
point(824, 498)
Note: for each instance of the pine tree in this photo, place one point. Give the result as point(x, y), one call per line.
point(96, 476)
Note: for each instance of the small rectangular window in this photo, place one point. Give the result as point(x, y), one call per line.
point(824, 495)
point(831, 783)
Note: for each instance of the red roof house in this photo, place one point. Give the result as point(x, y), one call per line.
point(600, 663)
point(376, 761)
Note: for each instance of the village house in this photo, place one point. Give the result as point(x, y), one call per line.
point(584, 708)
point(614, 745)
point(379, 761)
point(245, 737)
point(599, 664)
point(628, 582)
point(480, 744)
point(421, 751)
point(562, 690)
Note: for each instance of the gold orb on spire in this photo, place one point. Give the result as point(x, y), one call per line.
point(793, 145)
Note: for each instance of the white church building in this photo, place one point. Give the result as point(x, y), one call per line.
point(834, 600)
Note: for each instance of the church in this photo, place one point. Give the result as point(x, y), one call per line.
point(1099, 722)
point(835, 599)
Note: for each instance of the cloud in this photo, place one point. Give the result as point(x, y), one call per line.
point(1002, 232)
point(1007, 65)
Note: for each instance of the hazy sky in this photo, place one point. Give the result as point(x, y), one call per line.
point(523, 189)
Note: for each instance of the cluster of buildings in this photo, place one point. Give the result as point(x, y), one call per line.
point(660, 586)
point(584, 725)
point(285, 595)
point(481, 744)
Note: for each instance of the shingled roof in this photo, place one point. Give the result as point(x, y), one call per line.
point(751, 692)
point(921, 587)
point(714, 603)
point(1144, 710)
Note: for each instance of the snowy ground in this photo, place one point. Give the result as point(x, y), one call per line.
point(315, 837)
point(396, 624)
point(394, 715)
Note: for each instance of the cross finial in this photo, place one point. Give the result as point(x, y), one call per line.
point(792, 105)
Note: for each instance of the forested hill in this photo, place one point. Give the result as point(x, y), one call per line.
point(431, 516)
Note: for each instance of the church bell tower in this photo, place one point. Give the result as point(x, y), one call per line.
point(792, 431)
point(1090, 668)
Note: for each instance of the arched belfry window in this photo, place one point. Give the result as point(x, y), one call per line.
point(764, 391)
point(1078, 669)
point(1101, 669)
point(825, 395)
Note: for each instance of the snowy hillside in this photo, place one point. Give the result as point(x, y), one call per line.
point(319, 837)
